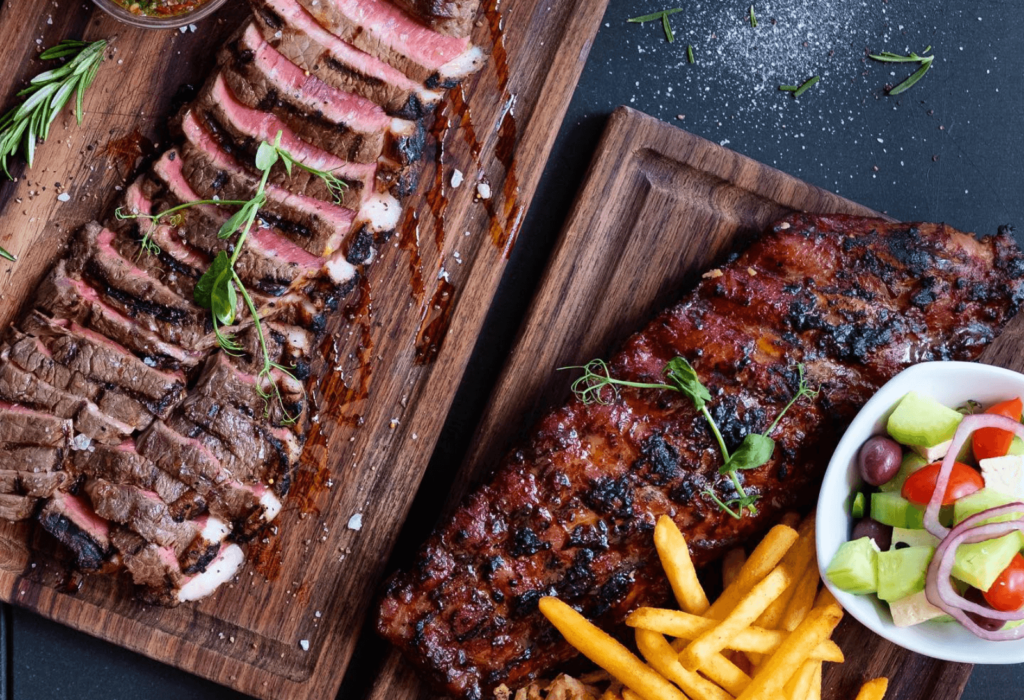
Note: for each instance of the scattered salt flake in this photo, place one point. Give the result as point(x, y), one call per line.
point(182, 29)
point(457, 178)
point(81, 442)
point(880, 141)
point(63, 197)
point(356, 522)
point(318, 614)
point(394, 423)
point(304, 644)
point(483, 190)
point(192, 28)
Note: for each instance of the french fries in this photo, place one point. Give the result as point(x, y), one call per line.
point(660, 655)
point(675, 559)
point(777, 670)
point(676, 623)
point(873, 690)
point(698, 652)
point(770, 611)
point(762, 560)
point(607, 653)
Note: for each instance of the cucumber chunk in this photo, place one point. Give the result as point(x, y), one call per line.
point(854, 567)
point(983, 500)
point(981, 563)
point(857, 509)
point(921, 420)
point(902, 572)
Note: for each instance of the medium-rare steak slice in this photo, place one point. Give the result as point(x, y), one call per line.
point(224, 379)
point(239, 130)
point(33, 459)
point(65, 297)
point(124, 465)
point(349, 126)
point(571, 511)
point(269, 262)
point(143, 511)
point(136, 293)
point(72, 521)
point(22, 483)
point(19, 386)
point(385, 31)
point(451, 17)
point(297, 36)
point(318, 227)
point(104, 362)
point(22, 427)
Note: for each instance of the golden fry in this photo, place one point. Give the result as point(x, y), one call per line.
point(731, 565)
point(685, 626)
point(663, 659)
point(726, 674)
point(815, 691)
point(762, 560)
point(803, 599)
point(607, 653)
point(799, 685)
point(675, 559)
point(825, 598)
point(609, 695)
point(873, 690)
point(799, 557)
point(780, 667)
point(695, 656)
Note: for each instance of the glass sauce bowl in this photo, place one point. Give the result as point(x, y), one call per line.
point(148, 22)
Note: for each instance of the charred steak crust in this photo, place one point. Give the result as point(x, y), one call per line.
point(571, 512)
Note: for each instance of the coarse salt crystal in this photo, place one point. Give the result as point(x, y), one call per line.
point(457, 178)
point(356, 522)
point(64, 197)
point(483, 190)
point(304, 643)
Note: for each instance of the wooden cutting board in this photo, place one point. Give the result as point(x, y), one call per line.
point(391, 363)
point(660, 206)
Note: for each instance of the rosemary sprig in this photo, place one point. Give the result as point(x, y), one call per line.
point(753, 18)
point(798, 90)
point(663, 15)
point(925, 61)
point(689, 54)
point(7, 256)
point(754, 451)
point(46, 95)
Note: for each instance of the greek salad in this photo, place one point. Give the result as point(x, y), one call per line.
point(939, 520)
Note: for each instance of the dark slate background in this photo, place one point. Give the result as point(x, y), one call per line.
point(950, 149)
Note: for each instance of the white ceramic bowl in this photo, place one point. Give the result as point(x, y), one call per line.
point(951, 383)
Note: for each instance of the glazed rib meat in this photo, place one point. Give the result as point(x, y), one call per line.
point(571, 512)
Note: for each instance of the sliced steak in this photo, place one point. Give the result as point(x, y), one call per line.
point(124, 465)
point(15, 508)
point(210, 534)
point(33, 459)
point(316, 226)
point(136, 293)
point(269, 262)
point(223, 378)
point(349, 126)
point(221, 569)
point(63, 296)
point(239, 130)
point(19, 386)
point(141, 510)
point(385, 31)
point(451, 17)
point(154, 569)
point(73, 522)
point(21, 427)
point(21, 483)
point(103, 361)
point(297, 35)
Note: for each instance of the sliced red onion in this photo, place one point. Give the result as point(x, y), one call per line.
point(967, 426)
point(939, 590)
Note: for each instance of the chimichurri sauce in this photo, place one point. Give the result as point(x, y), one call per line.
point(161, 8)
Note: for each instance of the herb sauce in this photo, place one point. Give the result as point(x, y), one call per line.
point(161, 8)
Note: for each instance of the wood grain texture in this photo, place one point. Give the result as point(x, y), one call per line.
point(659, 207)
point(391, 362)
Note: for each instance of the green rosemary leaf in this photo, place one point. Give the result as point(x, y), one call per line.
point(689, 54)
point(912, 80)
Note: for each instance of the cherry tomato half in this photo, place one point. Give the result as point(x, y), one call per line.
point(1007, 593)
point(993, 442)
point(963, 481)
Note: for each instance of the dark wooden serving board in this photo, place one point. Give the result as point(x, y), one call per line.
point(659, 207)
point(391, 363)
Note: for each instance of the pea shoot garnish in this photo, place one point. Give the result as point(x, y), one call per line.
point(798, 90)
point(753, 17)
point(220, 287)
point(663, 15)
point(754, 451)
point(46, 95)
point(924, 61)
